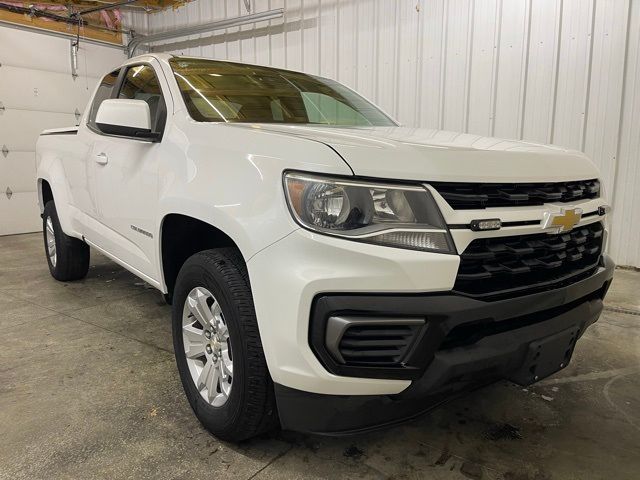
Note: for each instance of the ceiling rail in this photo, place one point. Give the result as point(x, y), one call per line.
point(54, 33)
point(202, 28)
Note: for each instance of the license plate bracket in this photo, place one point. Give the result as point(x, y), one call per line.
point(547, 356)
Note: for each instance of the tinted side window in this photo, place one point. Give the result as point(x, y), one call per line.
point(141, 83)
point(103, 93)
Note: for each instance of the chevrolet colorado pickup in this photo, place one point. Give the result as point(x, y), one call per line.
point(329, 270)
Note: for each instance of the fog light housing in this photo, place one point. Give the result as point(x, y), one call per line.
point(371, 341)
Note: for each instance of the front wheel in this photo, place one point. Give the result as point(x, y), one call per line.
point(218, 349)
point(68, 257)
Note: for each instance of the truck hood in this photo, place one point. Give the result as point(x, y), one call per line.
point(437, 155)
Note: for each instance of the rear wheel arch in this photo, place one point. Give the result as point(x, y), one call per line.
point(182, 236)
point(45, 193)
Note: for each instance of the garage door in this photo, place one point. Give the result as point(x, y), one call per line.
point(37, 91)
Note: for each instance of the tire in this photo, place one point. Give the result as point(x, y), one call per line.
point(249, 408)
point(70, 258)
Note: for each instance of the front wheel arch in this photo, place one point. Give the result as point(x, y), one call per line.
point(182, 236)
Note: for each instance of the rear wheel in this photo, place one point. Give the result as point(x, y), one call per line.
point(218, 349)
point(68, 257)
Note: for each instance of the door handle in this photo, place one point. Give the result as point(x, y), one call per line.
point(102, 158)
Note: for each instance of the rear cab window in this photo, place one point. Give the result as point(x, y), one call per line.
point(104, 92)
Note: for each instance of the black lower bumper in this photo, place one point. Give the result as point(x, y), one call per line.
point(469, 343)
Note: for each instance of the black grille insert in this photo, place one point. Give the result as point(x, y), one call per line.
point(379, 344)
point(463, 196)
point(504, 266)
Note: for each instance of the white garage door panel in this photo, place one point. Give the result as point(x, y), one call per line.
point(20, 213)
point(19, 129)
point(30, 89)
point(18, 172)
point(38, 92)
point(17, 49)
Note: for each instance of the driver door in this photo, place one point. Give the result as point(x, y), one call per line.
point(125, 172)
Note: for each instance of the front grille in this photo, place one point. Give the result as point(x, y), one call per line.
point(505, 266)
point(376, 344)
point(463, 196)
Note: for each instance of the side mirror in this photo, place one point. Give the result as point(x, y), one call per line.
point(128, 118)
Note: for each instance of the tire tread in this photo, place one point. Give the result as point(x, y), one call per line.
point(258, 412)
point(73, 255)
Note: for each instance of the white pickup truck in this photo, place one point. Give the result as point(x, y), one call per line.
point(329, 270)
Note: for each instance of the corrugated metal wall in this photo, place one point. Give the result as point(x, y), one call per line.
point(551, 71)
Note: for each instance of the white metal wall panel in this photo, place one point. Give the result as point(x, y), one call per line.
point(626, 195)
point(456, 55)
point(407, 60)
point(539, 70)
point(261, 38)
point(484, 43)
point(512, 68)
point(386, 30)
point(365, 49)
point(573, 73)
point(293, 36)
point(310, 36)
point(277, 42)
point(38, 92)
point(234, 45)
point(605, 100)
point(430, 81)
point(542, 69)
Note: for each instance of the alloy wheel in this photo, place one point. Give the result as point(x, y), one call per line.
point(207, 346)
point(51, 242)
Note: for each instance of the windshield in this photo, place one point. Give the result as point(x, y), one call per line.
point(216, 91)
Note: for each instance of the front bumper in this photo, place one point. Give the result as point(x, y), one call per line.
point(523, 339)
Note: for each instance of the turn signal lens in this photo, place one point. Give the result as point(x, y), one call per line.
point(489, 224)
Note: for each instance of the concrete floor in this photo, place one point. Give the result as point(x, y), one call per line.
point(89, 389)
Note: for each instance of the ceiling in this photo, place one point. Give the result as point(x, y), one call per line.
point(102, 19)
point(149, 5)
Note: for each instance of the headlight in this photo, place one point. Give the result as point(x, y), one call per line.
point(392, 215)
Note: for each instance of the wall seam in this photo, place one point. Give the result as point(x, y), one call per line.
point(417, 113)
point(497, 38)
point(585, 103)
point(556, 71)
point(443, 63)
point(526, 45)
point(468, 66)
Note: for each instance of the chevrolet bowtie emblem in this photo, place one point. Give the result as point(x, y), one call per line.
point(563, 221)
